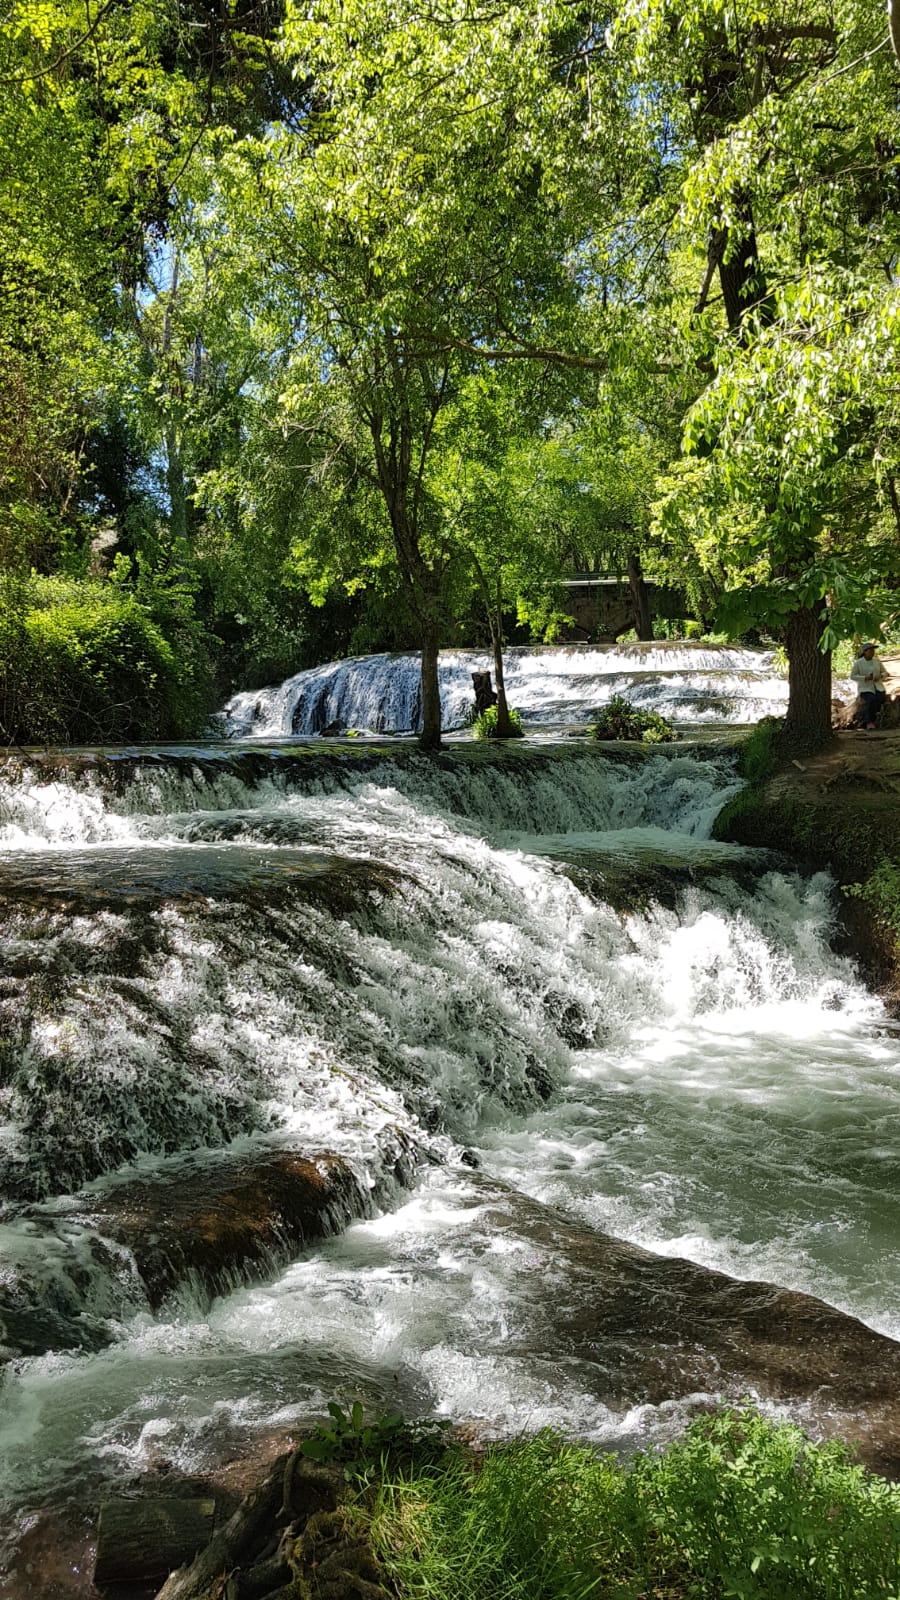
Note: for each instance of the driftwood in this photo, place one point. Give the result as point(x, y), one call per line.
point(227, 1546)
point(141, 1539)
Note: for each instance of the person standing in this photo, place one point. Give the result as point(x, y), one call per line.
point(869, 676)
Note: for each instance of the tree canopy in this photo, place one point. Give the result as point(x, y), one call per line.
point(400, 312)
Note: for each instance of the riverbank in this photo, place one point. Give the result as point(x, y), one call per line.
point(839, 810)
point(741, 1505)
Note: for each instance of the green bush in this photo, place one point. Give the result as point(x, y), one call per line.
point(621, 720)
point(741, 1507)
point(881, 893)
point(485, 725)
point(84, 661)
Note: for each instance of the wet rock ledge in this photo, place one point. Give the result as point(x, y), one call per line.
point(208, 1230)
point(840, 811)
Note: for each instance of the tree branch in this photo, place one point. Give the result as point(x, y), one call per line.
point(44, 72)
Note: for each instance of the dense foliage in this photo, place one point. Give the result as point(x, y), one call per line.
point(358, 327)
point(84, 662)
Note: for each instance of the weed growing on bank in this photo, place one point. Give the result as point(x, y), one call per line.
point(881, 893)
point(740, 1509)
point(757, 760)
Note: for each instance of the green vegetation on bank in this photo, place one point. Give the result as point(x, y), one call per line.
point(486, 725)
point(741, 1508)
point(86, 662)
point(619, 719)
point(880, 893)
point(757, 760)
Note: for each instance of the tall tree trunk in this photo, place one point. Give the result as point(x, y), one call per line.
point(177, 490)
point(808, 722)
point(640, 599)
point(430, 736)
point(741, 278)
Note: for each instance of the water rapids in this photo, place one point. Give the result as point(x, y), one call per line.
point(688, 683)
point(527, 1002)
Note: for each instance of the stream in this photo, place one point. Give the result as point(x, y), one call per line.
point(576, 1059)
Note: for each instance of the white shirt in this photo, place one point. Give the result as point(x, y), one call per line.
point(868, 675)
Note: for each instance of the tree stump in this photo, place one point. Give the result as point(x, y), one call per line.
point(485, 693)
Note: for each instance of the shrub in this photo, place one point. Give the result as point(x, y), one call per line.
point(485, 725)
point(84, 661)
point(881, 893)
point(621, 720)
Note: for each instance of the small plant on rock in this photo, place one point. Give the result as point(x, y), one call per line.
point(485, 725)
point(359, 1446)
point(621, 720)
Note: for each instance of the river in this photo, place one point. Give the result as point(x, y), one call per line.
point(538, 1013)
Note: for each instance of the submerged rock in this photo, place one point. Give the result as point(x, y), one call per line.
point(645, 1329)
point(208, 1229)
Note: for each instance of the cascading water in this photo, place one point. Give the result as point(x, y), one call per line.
point(692, 684)
point(532, 971)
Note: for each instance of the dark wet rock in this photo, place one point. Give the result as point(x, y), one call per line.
point(144, 1539)
point(226, 1225)
point(645, 1329)
point(210, 1229)
point(301, 762)
point(31, 1330)
point(76, 882)
point(635, 881)
point(59, 1290)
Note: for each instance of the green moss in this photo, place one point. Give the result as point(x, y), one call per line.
point(758, 755)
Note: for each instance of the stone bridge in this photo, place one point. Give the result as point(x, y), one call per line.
point(602, 608)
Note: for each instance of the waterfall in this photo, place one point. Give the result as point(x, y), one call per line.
point(691, 684)
point(531, 973)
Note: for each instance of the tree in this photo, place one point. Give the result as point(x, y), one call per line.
point(494, 474)
point(404, 216)
point(786, 136)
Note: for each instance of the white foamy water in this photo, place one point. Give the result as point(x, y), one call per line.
point(563, 684)
point(196, 961)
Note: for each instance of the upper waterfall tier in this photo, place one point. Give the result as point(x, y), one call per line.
point(688, 683)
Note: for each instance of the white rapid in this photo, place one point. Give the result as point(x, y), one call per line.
point(532, 968)
point(549, 686)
